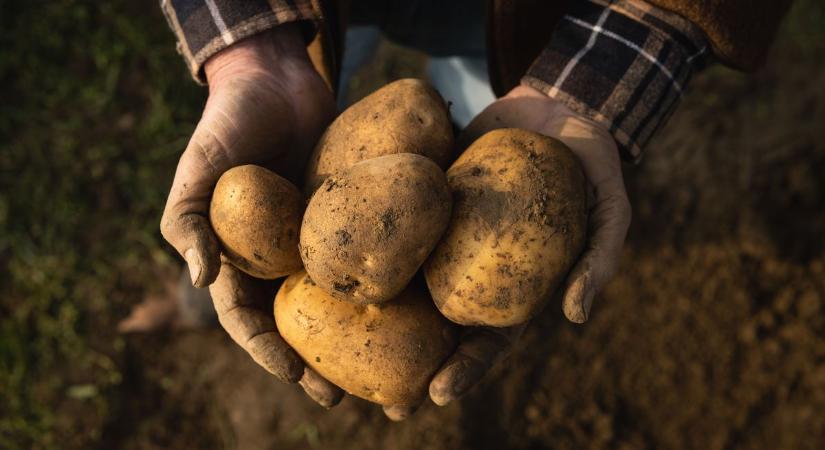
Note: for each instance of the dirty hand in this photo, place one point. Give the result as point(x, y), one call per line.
point(609, 219)
point(267, 106)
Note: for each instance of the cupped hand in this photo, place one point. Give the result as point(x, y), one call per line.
point(608, 222)
point(267, 106)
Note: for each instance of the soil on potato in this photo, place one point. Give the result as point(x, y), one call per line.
point(712, 336)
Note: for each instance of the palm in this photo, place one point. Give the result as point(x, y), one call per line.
point(609, 219)
point(267, 105)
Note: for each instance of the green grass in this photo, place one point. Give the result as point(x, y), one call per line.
point(96, 106)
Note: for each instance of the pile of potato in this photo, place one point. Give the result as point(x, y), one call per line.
point(494, 237)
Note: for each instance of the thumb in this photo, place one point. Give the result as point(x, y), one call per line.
point(185, 224)
point(192, 236)
point(610, 220)
point(478, 350)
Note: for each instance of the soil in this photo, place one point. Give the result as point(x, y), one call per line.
point(712, 336)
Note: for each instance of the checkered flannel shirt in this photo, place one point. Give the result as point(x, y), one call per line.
point(622, 63)
point(205, 27)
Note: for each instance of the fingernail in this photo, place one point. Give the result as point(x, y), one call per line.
point(463, 378)
point(397, 413)
point(575, 300)
point(194, 264)
point(441, 398)
point(441, 395)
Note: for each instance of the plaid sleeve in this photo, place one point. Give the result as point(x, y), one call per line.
point(622, 63)
point(205, 27)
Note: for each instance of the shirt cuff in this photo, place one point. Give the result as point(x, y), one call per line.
point(205, 27)
point(624, 64)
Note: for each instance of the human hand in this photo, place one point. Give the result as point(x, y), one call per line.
point(609, 219)
point(479, 349)
point(267, 106)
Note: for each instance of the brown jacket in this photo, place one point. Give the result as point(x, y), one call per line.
point(740, 32)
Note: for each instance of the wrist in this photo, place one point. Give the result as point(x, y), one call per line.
point(525, 90)
point(557, 117)
point(279, 52)
point(276, 65)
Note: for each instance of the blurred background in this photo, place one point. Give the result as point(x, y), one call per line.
point(711, 337)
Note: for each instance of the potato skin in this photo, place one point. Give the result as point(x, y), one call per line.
point(519, 223)
point(385, 353)
point(405, 116)
point(369, 228)
point(256, 215)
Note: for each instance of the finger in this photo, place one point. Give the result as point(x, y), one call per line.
point(478, 350)
point(185, 223)
point(238, 300)
point(218, 144)
point(192, 237)
point(610, 213)
point(319, 389)
point(397, 413)
point(609, 222)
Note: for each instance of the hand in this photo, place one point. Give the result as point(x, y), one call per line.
point(530, 109)
point(267, 106)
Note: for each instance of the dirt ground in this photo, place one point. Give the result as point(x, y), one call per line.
point(712, 336)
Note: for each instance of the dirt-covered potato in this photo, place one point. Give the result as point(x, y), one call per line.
point(518, 225)
point(256, 215)
point(405, 116)
point(383, 353)
point(369, 228)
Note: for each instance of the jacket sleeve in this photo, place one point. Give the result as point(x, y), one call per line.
point(205, 27)
point(623, 63)
point(739, 31)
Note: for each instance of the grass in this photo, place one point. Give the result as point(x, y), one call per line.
point(96, 108)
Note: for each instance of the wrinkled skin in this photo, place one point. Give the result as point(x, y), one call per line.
point(609, 219)
point(267, 106)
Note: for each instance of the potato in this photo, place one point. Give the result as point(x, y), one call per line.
point(518, 225)
point(406, 116)
point(369, 228)
point(256, 215)
point(385, 353)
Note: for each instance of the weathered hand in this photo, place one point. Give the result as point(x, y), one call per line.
point(479, 349)
point(609, 219)
point(267, 106)
point(243, 305)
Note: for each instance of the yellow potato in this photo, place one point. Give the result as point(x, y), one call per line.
point(256, 215)
point(369, 228)
point(385, 353)
point(405, 116)
point(519, 223)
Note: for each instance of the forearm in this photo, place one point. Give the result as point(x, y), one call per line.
point(204, 29)
point(624, 65)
